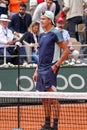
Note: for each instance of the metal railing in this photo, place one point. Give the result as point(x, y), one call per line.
point(28, 51)
point(82, 55)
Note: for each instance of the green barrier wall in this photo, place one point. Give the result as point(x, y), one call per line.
point(69, 79)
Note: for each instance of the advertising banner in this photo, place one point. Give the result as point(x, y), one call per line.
point(69, 79)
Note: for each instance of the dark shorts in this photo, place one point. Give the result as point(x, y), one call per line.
point(46, 79)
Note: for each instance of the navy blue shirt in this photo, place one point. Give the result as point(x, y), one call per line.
point(49, 50)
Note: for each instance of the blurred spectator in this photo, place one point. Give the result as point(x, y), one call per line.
point(19, 25)
point(60, 22)
point(74, 11)
point(6, 37)
point(20, 21)
point(33, 5)
point(4, 6)
point(31, 36)
point(41, 8)
point(14, 6)
point(60, 26)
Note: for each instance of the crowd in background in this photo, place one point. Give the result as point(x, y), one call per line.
point(23, 22)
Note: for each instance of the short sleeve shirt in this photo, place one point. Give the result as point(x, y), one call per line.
point(48, 45)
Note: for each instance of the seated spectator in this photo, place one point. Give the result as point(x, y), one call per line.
point(6, 37)
point(19, 24)
point(31, 36)
point(60, 22)
point(6, 40)
point(20, 21)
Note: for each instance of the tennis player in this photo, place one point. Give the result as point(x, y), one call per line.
point(45, 74)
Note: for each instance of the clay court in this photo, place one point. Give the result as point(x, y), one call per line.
point(72, 117)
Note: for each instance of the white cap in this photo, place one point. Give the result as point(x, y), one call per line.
point(50, 15)
point(4, 17)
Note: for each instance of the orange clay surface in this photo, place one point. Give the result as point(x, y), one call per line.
point(72, 117)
